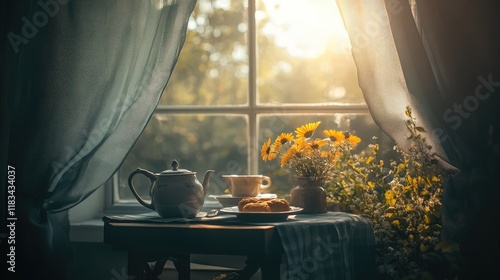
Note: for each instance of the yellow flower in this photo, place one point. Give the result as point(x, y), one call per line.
point(281, 140)
point(266, 152)
point(326, 154)
point(427, 219)
point(354, 140)
point(369, 159)
point(305, 155)
point(301, 145)
point(306, 130)
point(334, 135)
point(333, 155)
point(390, 198)
point(285, 138)
point(293, 151)
point(317, 143)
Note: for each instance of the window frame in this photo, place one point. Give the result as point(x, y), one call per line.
point(252, 110)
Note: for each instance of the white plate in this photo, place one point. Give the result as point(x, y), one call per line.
point(257, 217)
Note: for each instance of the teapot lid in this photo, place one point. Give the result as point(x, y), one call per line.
point(176, 171)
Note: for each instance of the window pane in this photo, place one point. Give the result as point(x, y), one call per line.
point(270, 126)
point(198, 142)
point(213, 66)
point(303, 56)
point(304, 53)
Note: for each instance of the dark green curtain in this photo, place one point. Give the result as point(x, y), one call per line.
point(441, 58)
point(80, 80)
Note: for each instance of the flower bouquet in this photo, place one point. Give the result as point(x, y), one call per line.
point(307, 156)
point(313, 161)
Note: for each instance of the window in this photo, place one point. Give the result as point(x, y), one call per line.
point(249, 70)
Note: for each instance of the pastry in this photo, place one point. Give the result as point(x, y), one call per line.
point(246, 200)
point(261, 204)
point(256, 207)
point(278, 205)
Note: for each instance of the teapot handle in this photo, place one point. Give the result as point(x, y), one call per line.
point(151, 176)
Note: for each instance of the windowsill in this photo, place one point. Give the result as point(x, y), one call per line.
point(87, 231)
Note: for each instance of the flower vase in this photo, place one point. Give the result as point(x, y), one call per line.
point(309, 195)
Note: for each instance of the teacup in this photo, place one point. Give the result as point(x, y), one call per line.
point(246, 185)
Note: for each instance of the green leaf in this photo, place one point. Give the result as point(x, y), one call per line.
point(419, 128)
point(390, 210)
point(447, 246)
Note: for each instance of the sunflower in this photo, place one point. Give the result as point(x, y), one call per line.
point(307, 130)
point(317, 143)
point(354, 140)
point(281, 140)
point(301, 145)
point(334, 135)
point(293, 151)
point(266, 152)
point(307, 156)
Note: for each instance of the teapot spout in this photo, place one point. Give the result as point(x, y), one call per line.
point(206, 180)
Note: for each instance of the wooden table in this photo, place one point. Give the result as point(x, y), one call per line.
point(332, 245)
point(147, 242)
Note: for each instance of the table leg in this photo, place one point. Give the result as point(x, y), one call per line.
point(136, 265)
point(183, 266)
point(139, 268)
point(252, 264)
point(270, 267)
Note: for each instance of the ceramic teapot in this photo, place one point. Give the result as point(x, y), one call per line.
point(175, 193)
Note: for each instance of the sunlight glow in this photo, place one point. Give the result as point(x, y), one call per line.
point(306, 27)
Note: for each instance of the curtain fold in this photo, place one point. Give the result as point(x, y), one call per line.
point(441, 58)
point(80, 80)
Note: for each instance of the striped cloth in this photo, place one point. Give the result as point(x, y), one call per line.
point(333, 245)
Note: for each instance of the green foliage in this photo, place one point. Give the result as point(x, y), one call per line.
point(402, 198)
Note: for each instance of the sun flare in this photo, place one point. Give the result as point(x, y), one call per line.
point(306, 27)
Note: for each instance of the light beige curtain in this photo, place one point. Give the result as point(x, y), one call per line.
point(441, 58)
